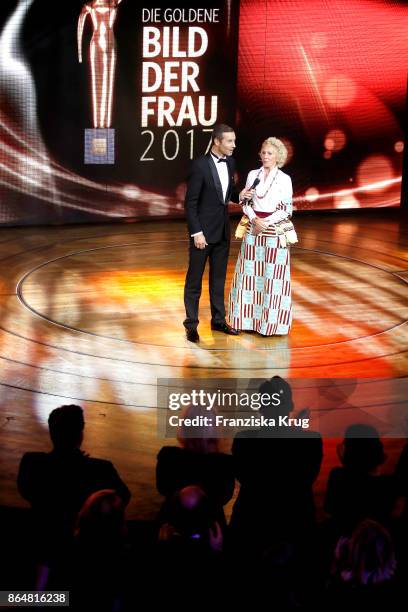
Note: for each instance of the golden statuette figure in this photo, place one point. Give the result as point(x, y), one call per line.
point(99, 142)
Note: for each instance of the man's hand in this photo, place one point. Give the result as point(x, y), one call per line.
point(200, 241)
point(259, 225)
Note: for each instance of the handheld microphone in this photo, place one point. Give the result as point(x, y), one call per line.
point(253, 186)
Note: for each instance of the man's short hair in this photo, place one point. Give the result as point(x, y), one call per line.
point(66, 425)
point(219, 130)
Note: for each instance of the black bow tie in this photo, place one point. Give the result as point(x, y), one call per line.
point(219, 159)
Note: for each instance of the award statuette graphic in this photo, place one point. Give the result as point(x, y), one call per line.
point(100, 141)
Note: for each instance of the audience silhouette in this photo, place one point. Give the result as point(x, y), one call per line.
point(197, 462)
point(189, 548)
point(357, 490)
point(276, 473)
point(364, 571)
point(84, 544)
point(57, 484)
point(95, 567)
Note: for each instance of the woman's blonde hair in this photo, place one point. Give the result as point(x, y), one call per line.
point(198, 439)
point(281, 150)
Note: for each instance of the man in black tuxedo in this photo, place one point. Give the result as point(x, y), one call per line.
point(210, 188)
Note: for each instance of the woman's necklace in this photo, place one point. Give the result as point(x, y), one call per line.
point(261, 197)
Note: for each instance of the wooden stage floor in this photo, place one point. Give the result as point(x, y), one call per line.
point(93, 314)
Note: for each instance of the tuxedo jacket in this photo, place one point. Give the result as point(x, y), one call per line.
point(206, 209)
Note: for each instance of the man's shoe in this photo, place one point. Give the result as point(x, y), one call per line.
point(192, 335)
point(225, 328)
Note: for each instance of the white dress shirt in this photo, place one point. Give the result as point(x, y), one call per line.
point(222, 170)
point(279, 193)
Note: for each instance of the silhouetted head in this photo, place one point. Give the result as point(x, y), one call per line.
point(371, 558)
point(198, 438)
point(361, 448)
point(66, 425)
point(191, 512)
point(101, 519)
point(279, 388)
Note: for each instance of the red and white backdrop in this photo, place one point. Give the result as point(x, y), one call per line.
point(329, 78)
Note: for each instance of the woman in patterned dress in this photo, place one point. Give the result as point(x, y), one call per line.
point(260, 296)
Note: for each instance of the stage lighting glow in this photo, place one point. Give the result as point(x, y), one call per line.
point(131, 192)
point(340, 91)
point(335, 140)
point(347, 73)
point(348, 201)
point(319, 40)
point(342, 193)
point(371, 167)
point(312, 194)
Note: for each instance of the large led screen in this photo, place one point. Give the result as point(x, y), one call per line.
point(105, 103)
point(329, 77)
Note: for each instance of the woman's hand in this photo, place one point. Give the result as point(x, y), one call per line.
point(259, 226)
point(246, 194)
point(216, 537)
point(166, 532)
